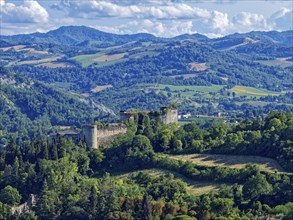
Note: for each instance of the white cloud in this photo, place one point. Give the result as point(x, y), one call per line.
point(282, 19)
point(246, 21)
point(220, 21)
point(157, 28)
point(96, 8)
point(30, 11)
point(181, 27)
point(165, 18)
point(11, 29)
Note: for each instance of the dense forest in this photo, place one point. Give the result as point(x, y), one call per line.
point(234, 96)
point(70, 181)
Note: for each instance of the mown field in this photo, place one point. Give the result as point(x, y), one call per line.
point(282, 62)
point(187, 91)
point(88, 59)
point(232, 161)
point(101, 88)
point(39, 61)
point(250, 91)
point(193, 187)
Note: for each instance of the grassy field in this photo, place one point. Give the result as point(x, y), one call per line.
point(45, 60)
point(54, 65)
point(112, 57)
point(250, 91)
point(101, 88)
point(193, 187)
point(87, 59)
point(187, 91)
point(233, 161)
point(213, 88)
point(282, 62)
point(198, 66)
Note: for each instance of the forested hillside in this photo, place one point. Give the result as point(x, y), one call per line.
point(234, 77)
point(70, 181)
point(30, 108)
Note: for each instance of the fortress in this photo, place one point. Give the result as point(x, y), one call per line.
point(95, 136)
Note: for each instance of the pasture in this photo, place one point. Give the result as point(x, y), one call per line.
point(232, 161)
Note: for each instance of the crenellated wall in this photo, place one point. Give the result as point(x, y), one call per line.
point(95, 137)
point(106, 135)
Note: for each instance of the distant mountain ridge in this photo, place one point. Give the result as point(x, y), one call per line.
point(81, 35)
point(74, 35)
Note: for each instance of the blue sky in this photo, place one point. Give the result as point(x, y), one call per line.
point(164, 18)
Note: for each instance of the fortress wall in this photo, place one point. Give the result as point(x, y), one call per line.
point(107, 132)
point(106, 135)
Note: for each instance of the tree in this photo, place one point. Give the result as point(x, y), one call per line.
point(141, 143)
point(177, 145)
point(93, 201)
point(5, 212)
point(147, 207)
point(10, 196)
point(163, 139)
point(256, 186)
point(222, 206)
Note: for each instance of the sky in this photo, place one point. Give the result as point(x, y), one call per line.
point(164, 18)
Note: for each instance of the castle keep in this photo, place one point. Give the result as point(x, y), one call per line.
point(95, 136)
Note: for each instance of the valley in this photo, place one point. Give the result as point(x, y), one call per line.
point(228, 157)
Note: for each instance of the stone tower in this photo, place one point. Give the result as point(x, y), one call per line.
point(89, 135)
point(169, 115)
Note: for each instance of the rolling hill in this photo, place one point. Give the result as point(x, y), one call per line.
point(146, 72)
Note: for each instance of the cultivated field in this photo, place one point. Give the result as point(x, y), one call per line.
point(198, 66)
point(100, 59)
point(45, 60)
point(193, 187)
point(233, 161)
point(250, 91)
point(16, 48)
point(105, 58)
point(101, 88)
point(87, 59)
point(54, 65)
point(282, 62)
point(19, 48)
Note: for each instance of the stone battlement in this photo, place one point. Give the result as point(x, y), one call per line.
point(97, 135)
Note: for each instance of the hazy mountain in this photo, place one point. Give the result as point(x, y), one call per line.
point(74, 35)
